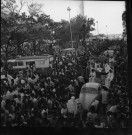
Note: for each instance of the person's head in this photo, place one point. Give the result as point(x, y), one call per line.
point(104, 88)
point(110, 70)
point(15, 96)
point(92, 70)
point(105, 62)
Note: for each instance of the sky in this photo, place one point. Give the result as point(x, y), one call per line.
point(105, 12)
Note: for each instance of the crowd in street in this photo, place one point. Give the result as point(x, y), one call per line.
point(31, 99)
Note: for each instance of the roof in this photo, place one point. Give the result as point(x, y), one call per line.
point(33, 57)
point(91, 85)
point(11, 60)
point(69, 49)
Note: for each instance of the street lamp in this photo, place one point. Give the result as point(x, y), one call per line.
point(69, 9)
point(97, 28)
point(107, 31)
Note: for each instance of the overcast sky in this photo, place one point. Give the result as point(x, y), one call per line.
point(105, 12)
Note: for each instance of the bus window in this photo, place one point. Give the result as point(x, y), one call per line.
point(14, 63)
point(20, 63)
point(31, 63)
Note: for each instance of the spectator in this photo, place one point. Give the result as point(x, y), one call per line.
point(92, 76)
point(107, 67)
point(72, 106)
point(31, 99)
point(104, 102)
point(109, 78)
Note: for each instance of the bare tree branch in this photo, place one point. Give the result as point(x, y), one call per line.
point(22, 2)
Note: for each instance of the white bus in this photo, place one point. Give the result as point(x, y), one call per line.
point(41, 63)
point(68, 51)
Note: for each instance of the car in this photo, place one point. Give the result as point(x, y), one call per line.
point(89, 93)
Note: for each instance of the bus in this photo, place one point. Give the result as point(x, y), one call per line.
point(41, 63)
point(68, 51)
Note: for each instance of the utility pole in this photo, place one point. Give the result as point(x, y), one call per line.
point(69, 9)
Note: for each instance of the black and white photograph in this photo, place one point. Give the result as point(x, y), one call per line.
point(64, 64)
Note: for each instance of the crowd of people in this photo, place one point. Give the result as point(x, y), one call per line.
point(32, 99)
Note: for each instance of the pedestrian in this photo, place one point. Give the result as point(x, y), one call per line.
point(72, 106)
point(104, 94)
point(92, 76)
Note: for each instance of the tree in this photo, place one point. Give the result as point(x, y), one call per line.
point(11, 24)
point(97, 47)
point(19, 28)
point(10, 6)
point(81, 28)
point(35, 9)
point(40, 32)
point(62, 33)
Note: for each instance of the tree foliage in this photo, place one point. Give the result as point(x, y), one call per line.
point(35, 9)
point(19, 28)
point(82, 27)
point(35, 33)
point(62, 32)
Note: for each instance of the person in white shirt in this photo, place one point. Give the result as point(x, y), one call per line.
point(9, 78)
point(16, 80)
point(99, 68)
point(81, 79)
point(35, 79)
point(34, 67)
point(60, 63)
point(22, 81)
point(76, 83)
point(35, 101)
point(95, 104)
point(3, 103)
point(73, 60)
point(107, 67)
point(111, 60)
point(30, 79)
point(96, 65)
point(109, 78)
point(22, 96)
point(72, 106)
point(92, 76)
point(64, 111)
point(113, 109)
point(9, 94)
